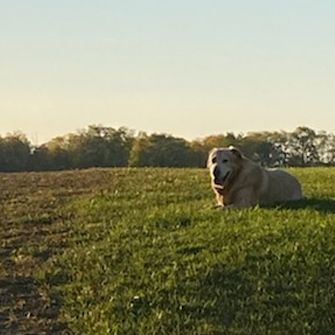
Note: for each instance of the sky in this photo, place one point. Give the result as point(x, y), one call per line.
point(190, 68)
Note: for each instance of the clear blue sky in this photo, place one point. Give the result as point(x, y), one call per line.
point(185, 67)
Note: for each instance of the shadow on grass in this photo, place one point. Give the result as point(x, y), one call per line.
point(323, 205)
point(218, 297)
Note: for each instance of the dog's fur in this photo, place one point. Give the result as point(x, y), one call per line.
point(239, 182)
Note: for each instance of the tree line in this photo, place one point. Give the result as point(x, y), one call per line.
point(99, 146)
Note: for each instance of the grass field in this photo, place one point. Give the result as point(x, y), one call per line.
point(142, 251)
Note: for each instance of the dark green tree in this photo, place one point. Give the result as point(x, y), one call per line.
point(161, 151)
point(15, 152)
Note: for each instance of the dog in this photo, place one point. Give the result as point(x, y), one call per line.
point(239, 182)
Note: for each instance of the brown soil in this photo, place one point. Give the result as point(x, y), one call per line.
point(32, 229)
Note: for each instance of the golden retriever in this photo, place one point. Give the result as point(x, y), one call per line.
point(239, 182)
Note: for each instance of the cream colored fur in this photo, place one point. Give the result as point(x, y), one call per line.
point(239, 182)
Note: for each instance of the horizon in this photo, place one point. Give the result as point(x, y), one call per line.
point(34, 141)
point(186, 68)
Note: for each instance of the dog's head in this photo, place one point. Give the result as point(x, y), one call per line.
point(223, 163)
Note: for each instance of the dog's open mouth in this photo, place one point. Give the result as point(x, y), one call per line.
point(219, 182)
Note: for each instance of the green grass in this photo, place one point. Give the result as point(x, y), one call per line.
point(149, 255)
point(146, 253)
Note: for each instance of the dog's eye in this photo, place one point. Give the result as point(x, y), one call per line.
point(214, 160)
point(225, 161)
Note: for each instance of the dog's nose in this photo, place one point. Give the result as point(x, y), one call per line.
point(216, 172)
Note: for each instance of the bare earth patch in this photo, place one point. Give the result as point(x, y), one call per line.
point(32, 230)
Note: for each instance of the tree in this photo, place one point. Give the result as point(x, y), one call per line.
point(217, 141)
point(302, 147)
point(14, 153)
point(261, 147)
point(58, 154)
point(100, 146)
point(40, 159)
point(326, 148)
point(161, 151)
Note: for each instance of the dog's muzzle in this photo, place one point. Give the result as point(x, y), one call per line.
point(217, 179)
point(216, 175)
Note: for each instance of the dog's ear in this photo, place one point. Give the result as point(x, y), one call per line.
point(236, 152)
